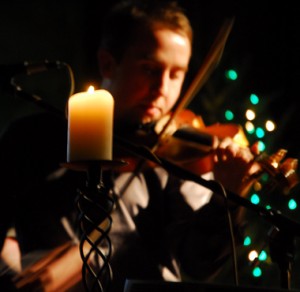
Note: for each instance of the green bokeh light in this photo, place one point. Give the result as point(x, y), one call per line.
point(257, 272)
point(247, 241)
point(254, 99)
point(261, 146)
point(231, 74)
point(262, 256)
point(229, 116)
point(260, 133)
point(255, 199)
point(292, 204)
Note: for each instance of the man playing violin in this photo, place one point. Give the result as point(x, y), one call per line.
point(145, 73)
point(164, 228)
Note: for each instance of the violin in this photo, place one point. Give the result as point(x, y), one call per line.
point(190, 144)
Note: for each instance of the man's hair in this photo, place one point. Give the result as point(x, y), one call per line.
point(127, 17)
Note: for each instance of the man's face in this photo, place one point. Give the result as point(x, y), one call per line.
point(147, 82)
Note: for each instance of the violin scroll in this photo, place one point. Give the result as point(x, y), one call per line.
point(282, 172)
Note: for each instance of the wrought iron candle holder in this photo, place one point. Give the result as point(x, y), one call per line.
point(95, 203)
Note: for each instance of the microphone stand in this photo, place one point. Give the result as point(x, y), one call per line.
point(282, 234)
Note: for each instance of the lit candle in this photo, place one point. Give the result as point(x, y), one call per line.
point(90, 126)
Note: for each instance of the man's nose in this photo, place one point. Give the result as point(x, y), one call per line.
point(162, 84)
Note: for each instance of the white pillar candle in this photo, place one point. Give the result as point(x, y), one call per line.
point(90, 126)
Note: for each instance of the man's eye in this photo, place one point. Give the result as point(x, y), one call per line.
point(177, 75)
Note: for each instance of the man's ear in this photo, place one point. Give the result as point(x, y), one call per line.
point(106, 63)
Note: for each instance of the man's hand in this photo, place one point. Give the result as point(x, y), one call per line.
point(234, 166)
point(59, 271)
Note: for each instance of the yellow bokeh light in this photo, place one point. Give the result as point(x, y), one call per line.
point(250, 115)
point(253, 254)
point(270, 126)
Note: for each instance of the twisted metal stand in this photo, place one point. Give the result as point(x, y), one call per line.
point(95, 203)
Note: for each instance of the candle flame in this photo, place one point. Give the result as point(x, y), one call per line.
point(91, 89)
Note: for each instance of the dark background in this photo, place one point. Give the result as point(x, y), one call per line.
point(263, 47)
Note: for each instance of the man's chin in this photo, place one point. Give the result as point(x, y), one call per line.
point(149, 119)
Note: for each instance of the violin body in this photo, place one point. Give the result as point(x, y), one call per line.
point(190, 143)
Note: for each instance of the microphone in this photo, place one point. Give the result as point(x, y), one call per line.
point(8, 71)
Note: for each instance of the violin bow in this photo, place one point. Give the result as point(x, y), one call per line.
point(210, 62)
